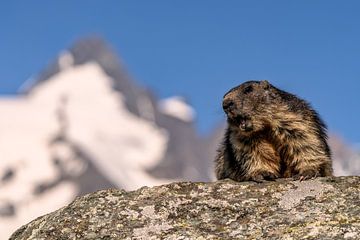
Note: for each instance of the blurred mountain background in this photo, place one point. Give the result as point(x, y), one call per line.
point(85, 124)
point(138, 101)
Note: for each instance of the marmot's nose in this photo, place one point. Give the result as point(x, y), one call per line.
point(228, 105)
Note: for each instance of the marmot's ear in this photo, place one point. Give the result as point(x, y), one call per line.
point(265, 84)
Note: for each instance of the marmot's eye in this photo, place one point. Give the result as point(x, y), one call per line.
point(248, 89)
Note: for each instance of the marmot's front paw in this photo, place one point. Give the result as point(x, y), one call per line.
point(264, 176)
point(306, 174)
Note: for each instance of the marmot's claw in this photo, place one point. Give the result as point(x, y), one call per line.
point(258, 179)
point(264, 176)
point(306, 175)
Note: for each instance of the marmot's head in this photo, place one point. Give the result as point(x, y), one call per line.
point(247, 106)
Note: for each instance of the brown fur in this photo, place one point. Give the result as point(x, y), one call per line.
point(271, 134)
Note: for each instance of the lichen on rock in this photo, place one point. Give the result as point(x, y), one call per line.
point(324, 208)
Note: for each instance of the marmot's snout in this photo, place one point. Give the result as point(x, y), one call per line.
point(230, 109)
point(228, 105)
point(235, 116)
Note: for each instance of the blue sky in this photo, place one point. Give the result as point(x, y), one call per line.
point(200, 49)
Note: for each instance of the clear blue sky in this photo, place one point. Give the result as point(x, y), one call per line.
point(200, 49)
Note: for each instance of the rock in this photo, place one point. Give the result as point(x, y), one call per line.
point(324, 208)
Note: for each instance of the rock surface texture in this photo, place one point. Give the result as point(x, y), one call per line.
point(325, 208)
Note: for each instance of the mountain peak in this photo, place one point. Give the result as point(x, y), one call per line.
point(95, 49)
point(88, 49)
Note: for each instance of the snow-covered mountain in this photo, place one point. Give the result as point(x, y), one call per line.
point(84, 124)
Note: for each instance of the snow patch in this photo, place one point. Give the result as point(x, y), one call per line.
point(121, 144)
point(178, 108)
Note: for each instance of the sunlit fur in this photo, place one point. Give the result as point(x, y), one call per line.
point(271, 134)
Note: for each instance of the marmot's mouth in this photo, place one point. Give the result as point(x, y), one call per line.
point(242, 124)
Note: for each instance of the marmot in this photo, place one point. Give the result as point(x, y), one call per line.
point(271, 134)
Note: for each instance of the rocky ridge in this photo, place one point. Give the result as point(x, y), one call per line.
point(324, 208)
